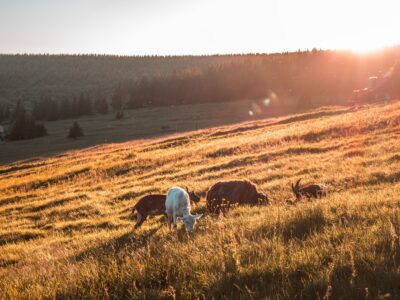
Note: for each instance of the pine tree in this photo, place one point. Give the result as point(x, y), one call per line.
point(40, 130)
point(101, 106)
point(65, 109)
point(2, 114)
point(116, 100)
point(52, 110)
point(75, 108)
point(88, 105)
point(7, 113)
point(119, 115)
point(25, 127)
point(18, 110)
point(75, 131)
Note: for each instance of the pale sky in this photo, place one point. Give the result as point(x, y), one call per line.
point(175, 27)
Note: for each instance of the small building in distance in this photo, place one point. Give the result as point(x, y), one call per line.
point(375, 91)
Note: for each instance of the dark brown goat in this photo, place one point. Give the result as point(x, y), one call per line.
point(309, 191)
point(149, 205)
point(154, 205)
point(233, 192)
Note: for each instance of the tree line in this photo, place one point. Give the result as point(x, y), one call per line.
point(28, 125)
point(306, 79)
point(303, 78)
point(48, 109)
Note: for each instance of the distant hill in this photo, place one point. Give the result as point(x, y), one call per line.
point(306, 74)
point(29, 77)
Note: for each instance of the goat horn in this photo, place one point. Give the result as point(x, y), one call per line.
point(298, 183)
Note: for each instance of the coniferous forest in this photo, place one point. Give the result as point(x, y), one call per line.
point(51, 88)
point(316, 76)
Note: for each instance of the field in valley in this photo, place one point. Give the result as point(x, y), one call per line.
point(66, 230)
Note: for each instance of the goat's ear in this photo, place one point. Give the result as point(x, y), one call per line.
point(179, 218)
point(298, 183)
point(198, 216)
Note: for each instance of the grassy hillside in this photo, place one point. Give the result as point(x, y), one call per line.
point(65, 230)
point(141, 123)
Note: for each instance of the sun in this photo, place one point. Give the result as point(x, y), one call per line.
point(365, 47)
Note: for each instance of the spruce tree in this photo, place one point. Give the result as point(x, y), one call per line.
point(116, 100)
point(75, 131)
point(2, 114)
point(101, 106)
point(52, 110)
point(7, 113)
point(119, 115)
point(65, 109)
point(18, 110)
point(25, 127)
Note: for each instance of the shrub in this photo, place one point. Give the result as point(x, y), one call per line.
point(75, 131)
point(119, 115)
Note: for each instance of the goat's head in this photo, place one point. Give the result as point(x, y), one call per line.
point(296, 189)
point(193, 196)
point(262, 199)
point(190, 221)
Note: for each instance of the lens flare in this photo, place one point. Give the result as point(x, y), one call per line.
point(266, 101)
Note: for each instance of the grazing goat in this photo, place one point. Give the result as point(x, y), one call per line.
point(177, 206)
point(149, 205)
point(154, 205)
point(234, 191)
point(310, 191)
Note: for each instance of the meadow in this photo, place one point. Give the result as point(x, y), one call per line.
point(137, 124)
point(66, 230)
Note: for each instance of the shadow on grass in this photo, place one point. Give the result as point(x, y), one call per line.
point(13, 238)
point(15, 199)
point(304, 281)
point(55, 203)
point(303, 223)
point(19, 168)
point(236, 130)
point(50, 181)
point(315, 115)
point(128, 241)
point(268, 284)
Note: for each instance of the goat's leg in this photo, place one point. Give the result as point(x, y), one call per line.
point(165, 217)
point(169, 218)
point(174, 218)
point(228, 206)
point(211, 206)
point(140, 219)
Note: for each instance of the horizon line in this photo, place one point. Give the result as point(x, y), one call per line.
point(301, 50)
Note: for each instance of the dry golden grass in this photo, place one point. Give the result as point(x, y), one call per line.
point(65, 230)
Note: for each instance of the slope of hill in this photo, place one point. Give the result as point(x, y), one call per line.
point(140, 123)
point(65, 230)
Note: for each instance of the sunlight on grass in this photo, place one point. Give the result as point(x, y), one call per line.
point(65, 229)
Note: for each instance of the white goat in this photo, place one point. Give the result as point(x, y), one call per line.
point(177, 206)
